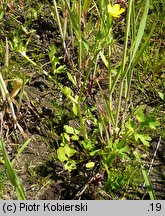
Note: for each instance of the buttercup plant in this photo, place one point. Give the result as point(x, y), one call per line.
point(111, 121)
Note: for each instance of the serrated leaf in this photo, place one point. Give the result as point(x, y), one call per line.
point(153, 124)
point(144, 138)
point(129, 126)
point(125, 149)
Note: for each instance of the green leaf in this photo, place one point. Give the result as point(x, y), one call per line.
point(141, 28)
point(93, 153)
point(67, 91)
point(76, 131)
point(103, 58)
point(70, 165)
point(87, 144)
point(2, 13)
point(75, 106)
point(72, 78)
point(139, 112)
point(65, 152)
point(61, 154)
point(68, 129)
point(20, 150)
point(140, 117)
point(75, 137)
point(153, 124)
point(144, 138)
point(75, 109)
point(69, 151)
point(66, 136)
point(161, 95)
point(12, 174)
point(129, 125)
point(136, 136)
point(125, 149)
point(90, 165)
point(143, 47)
point(145, 176)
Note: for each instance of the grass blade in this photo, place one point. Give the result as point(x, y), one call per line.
point(12, 175)
point(141, 29)
point(20, 150)
point(145, 176)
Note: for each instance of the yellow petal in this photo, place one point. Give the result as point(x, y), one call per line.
point(115, 15)
point(116, 7)
point(110, 8)
point(122, 10)
point(115, 10)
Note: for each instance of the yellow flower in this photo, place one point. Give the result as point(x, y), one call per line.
point(115, 10)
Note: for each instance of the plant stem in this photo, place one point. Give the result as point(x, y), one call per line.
point(84, 131)
point(80, 39)
point(59, 25)
point(122, 75)
point(110, 80)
